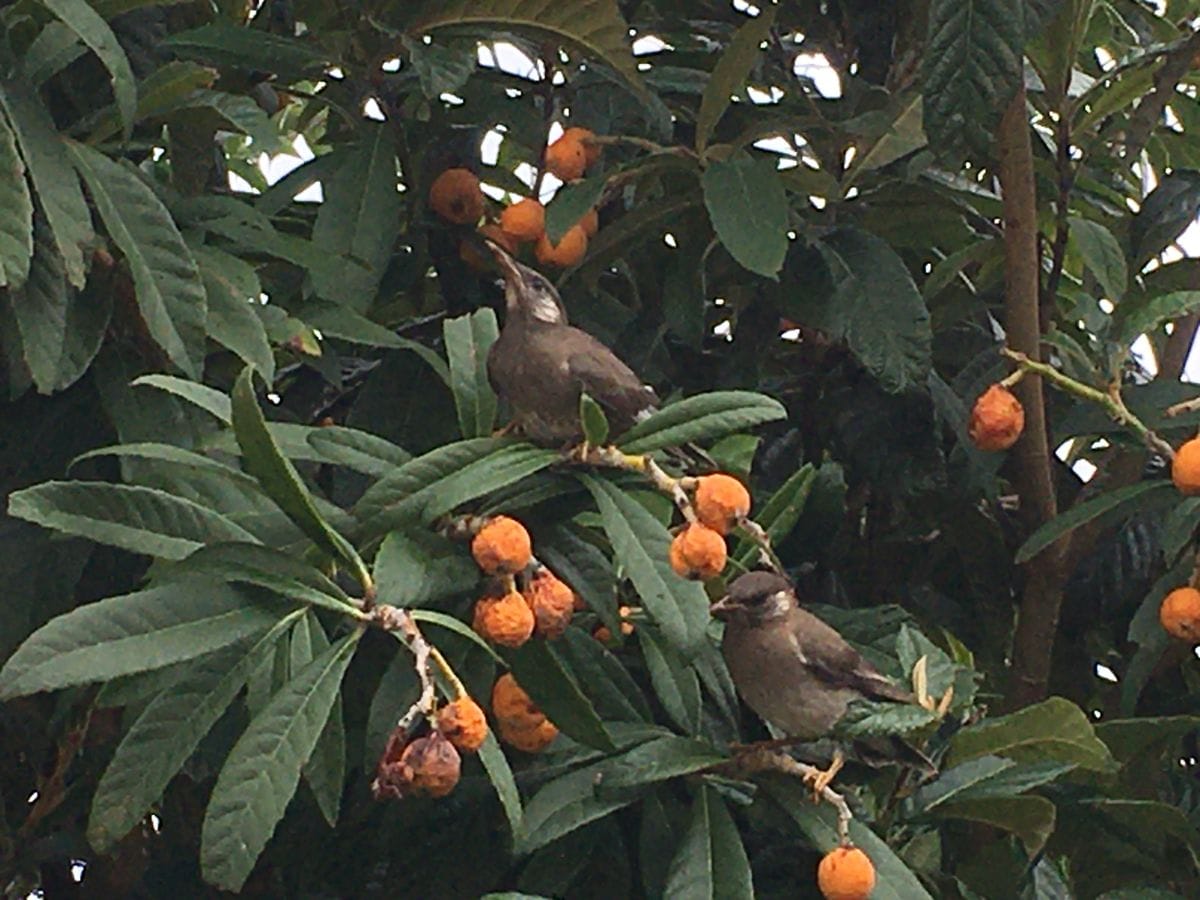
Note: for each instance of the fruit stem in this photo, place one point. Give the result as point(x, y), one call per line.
point(644, 464)
point(1111, 399)
point(766, 552)
point(457, 688)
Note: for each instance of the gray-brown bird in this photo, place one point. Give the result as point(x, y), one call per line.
point(540, 364)
point(796, 671)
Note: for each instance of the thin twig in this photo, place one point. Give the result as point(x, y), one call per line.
point(767, 760)
point(766, 552)
point(1111, 400)
point(1179, 409)
point(402, 624)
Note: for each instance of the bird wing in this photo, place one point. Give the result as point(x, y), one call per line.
point(608, 380)
point(833, 660)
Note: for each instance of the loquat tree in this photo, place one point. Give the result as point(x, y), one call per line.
point(397, 395)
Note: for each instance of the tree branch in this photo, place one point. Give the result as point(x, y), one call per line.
point(1041, 600)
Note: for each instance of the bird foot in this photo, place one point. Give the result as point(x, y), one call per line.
point(822, 778)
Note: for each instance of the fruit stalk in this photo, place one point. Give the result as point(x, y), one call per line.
point(1111, 400)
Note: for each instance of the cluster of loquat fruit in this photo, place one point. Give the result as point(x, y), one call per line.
point(455, 195)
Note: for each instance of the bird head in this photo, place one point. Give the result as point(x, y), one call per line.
point(755, 598)
point(527, 292)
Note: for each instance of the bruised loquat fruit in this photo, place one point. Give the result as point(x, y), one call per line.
point(1179, 613)
point(426, 767)
point(1185, 467)
point(463, 723)
point(552, 602)
point(511, 703)
point(502, 546)
point(698, 553)
point(456, 197)
point(567, 252)
point(507, 620)
point(721, 502)
point(997, 419)
point(846, 873)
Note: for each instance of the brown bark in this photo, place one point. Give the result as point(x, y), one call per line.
point(1041, 600)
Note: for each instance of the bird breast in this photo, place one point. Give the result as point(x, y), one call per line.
point(771, 676)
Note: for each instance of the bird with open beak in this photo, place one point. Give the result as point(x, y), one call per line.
point(540, 364)
point(796, 671)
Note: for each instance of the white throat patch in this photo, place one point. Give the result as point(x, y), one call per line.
point(544, 309)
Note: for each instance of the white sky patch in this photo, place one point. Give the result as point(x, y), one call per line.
point(650, 43)
point(816, 67)
point(1104, 673)
point(391, 65)
point(669, 240)
point(496, 193)
point(489, 147)
point(372, 110)
point(777, 144)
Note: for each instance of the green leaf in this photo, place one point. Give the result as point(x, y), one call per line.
point(894, 880)
point(1121, 499)
point(564, 804)
point(1137, 315)
point(358, 450)
point(875, 307)
point(166, 733)
point(1101, 253)
point(140, 519)
point(593, 27)
point(166, 280)
point(249, 48)
point(325, 770)
point(55, 48)
point(675, 683)
point(500, 470)
point(571, 203)
point(1054, 729)
point(972, 68)
point(641, 545)
point(468, 339)
point(418, 567)
point(595, 423)
point(406, 487)
point(1130, 738)
point(161, 92)
point(660, 759)
point(730, 73)
point(208, 399)
point(266, 567)
point(94, 31)
point(442, 68)
point(232, 288)
point(865, 718)
point(54, 180)
point(985, 778)
point(701, 418)
point(608, 684)
point(780, 513)
point(538, 669)
point(263, 768)
point(40, 308)
point(280, 480)
point(906, 134)
point(1031, 818)
point(359, 220)
point(711, 861)
point(134, 633)
point(748, 208)
point(495, 763)
point(16, 225)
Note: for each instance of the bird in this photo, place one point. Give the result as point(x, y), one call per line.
point(798, 673)
point(540, 364)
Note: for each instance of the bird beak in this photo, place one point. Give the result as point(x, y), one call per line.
point(723, 609)
point(508, 265)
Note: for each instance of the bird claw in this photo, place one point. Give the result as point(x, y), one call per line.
point(820, 779)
